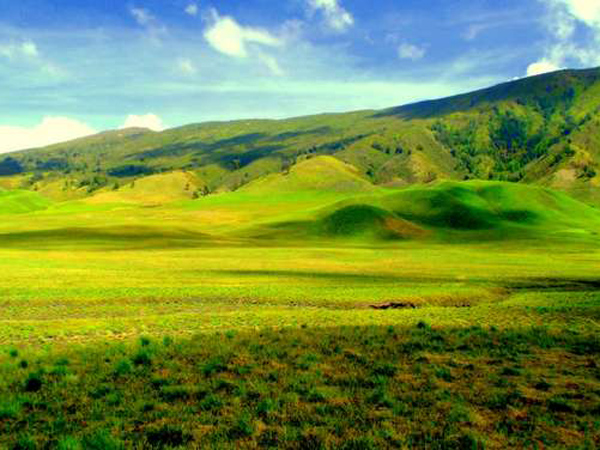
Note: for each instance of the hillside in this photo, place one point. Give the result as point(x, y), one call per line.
point(448, 211)
point(322, 173)
point(19, 202)
point(541, 130)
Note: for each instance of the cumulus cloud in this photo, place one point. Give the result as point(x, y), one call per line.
point(149, 121)
point(230, 38)
point(564, 18)
point(227, 36)
point(51, 130)
point(192, 9)
point(410, 51)
point(336, 17)
point(541, 67)
point(588, 11)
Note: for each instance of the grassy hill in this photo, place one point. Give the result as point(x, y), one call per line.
point(447, 211)
point(541, 130)
point(322, 173)
point(20, 201)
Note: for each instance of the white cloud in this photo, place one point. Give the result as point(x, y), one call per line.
point(146, 19)
point(564, 16)
point(541, 67)
point(29, 49)
point(336, 17)
point(192, 9)
point(271, 63)
point(25, 49)
point(187, 67)
point(142, 16)
point(227, 36)
point(410, 51)
point(51, 130)
point(150, 121)
point(588, 11)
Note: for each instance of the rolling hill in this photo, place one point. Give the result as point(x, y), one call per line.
point(447, 211)
point(20, 202)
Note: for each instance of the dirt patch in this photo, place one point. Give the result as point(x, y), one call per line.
point(395, 306)
point(409, 305)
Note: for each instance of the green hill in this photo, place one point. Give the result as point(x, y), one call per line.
point(322, 173)
point(542, 130)
point(450, 211)
point(500, 206)
point(19, 202)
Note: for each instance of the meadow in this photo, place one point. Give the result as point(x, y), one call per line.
point(302, 319)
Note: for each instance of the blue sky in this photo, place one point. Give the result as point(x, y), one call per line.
point(72, 67)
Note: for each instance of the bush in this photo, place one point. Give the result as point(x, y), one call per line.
point(34, 382)
point(69, 443)
point(123, 368)
point(101, 440)
point(385, 370)
point(25, 442)
point(211, 403)
point(168, 436)
point(243, 427)
point(142, 358)
point(361, 443)
point(130, 170)
point(9, 409)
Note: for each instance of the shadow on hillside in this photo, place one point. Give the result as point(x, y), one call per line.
point(106, 238)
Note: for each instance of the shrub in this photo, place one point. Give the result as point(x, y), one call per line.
point(142, 358)
point(510, 372)
point(423, 325)
point(69, 443)
point(34, 382)
point(101, 440)
point(123, 368)
point(543, 386)
point(168, 436)
point(181, 392)
point(361, 443)
point(243, 427)
point(9, 409)
point(444, 374)
point(380, 397)
point(265, 407)
point(560, 405)
point(215, 365)
point(25, 442)
point(385, 370)
point(211, 403)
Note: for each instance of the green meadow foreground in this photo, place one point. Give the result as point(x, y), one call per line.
point(455, 315)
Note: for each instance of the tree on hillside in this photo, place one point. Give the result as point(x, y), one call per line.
point(10, 166)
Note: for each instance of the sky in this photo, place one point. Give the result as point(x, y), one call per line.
point(70, 68)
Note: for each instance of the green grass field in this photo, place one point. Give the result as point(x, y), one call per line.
point(254, 319)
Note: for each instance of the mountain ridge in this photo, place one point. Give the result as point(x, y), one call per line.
point(540, 130)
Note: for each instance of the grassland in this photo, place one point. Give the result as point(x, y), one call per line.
point(250, 319)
